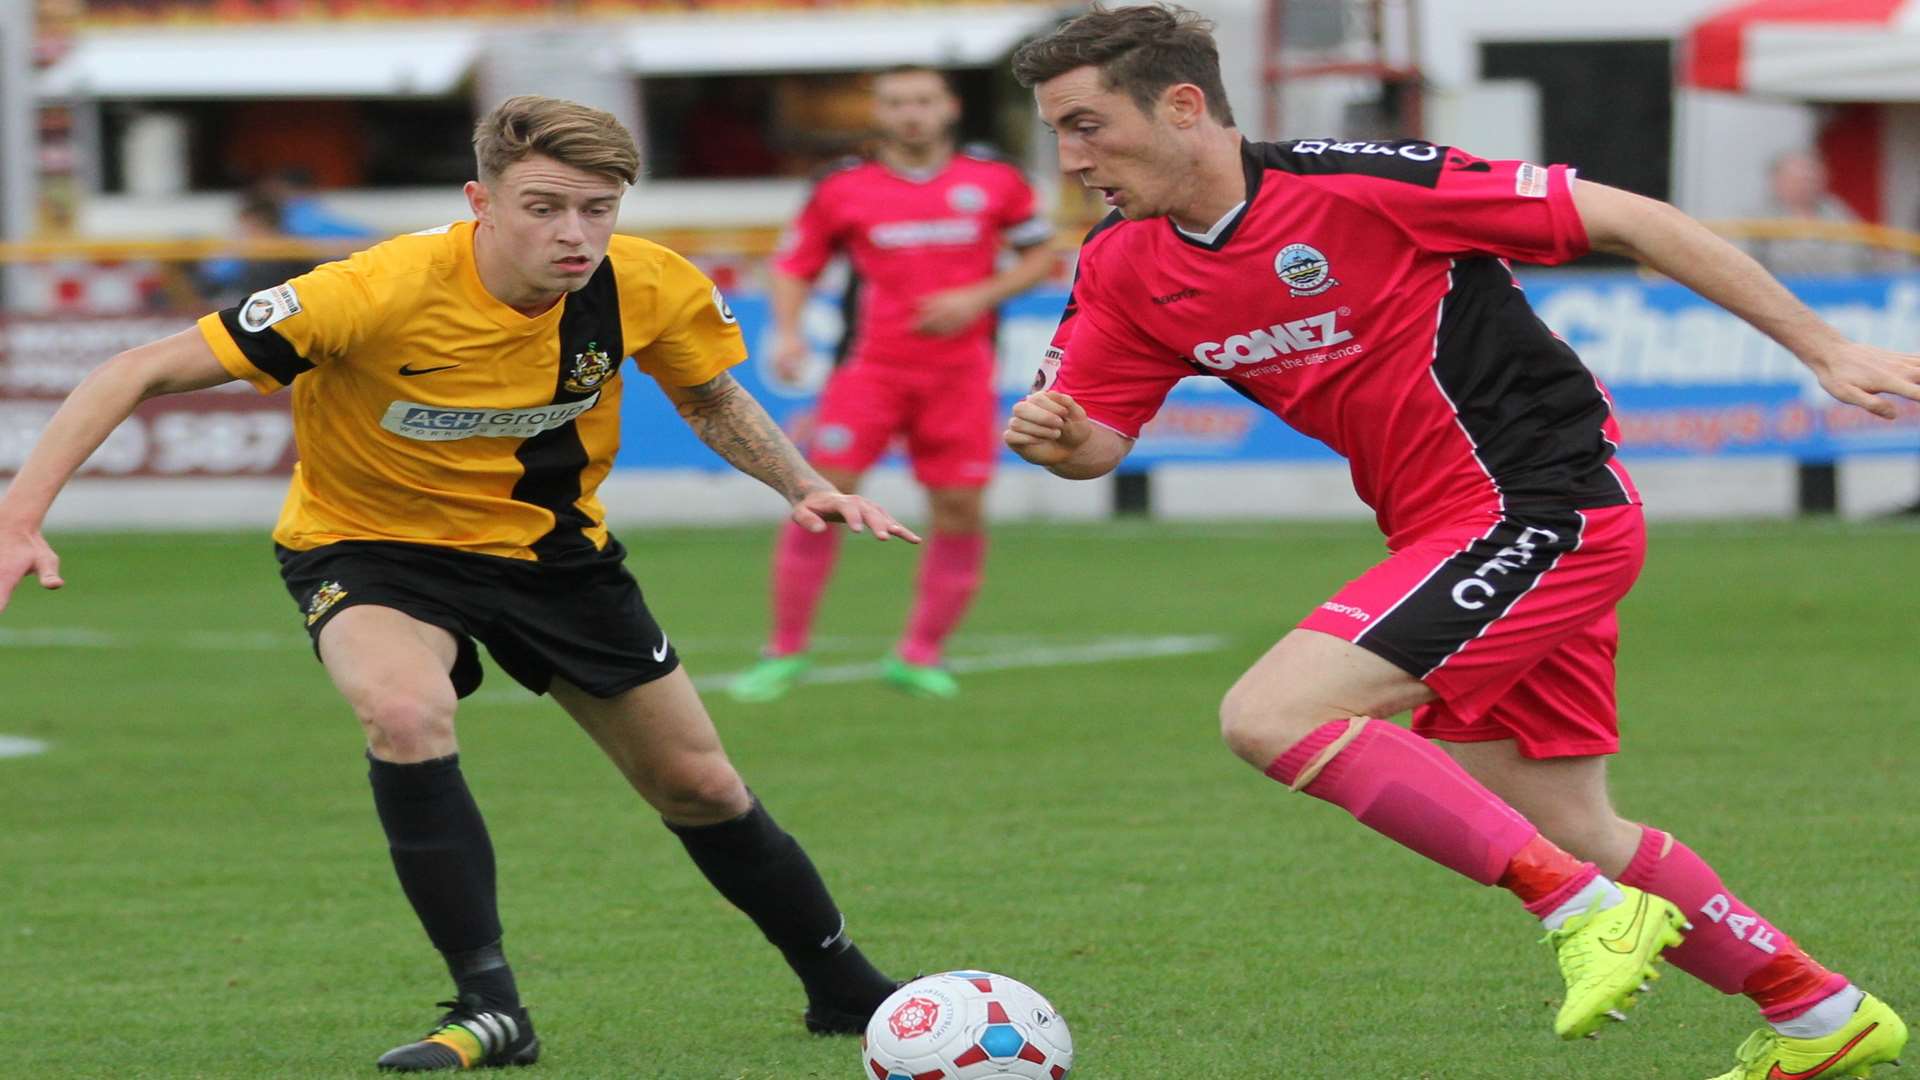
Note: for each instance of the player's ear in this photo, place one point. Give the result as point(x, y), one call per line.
point(1183, 104)
point(478, 199)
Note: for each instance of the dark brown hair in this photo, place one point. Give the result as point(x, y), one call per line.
point(566, 131)
point(945, 77)
point(1140, 51)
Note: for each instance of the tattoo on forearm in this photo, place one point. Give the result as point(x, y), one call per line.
point(732, 423)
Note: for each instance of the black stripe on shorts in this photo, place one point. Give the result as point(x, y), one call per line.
point(1470, 590)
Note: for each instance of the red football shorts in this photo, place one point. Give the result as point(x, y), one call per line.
point(949, 423)
point(1509, 621)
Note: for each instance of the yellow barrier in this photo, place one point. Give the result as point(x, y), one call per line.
point(748, 242)
point(759, 242)
point(1881, 237)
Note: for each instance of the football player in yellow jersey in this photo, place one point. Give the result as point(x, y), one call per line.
point(456, 404)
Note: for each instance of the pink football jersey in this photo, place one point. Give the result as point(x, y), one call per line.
point(1362, 295)
point(907, 237)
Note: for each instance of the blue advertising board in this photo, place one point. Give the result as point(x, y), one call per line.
point(1687, 378)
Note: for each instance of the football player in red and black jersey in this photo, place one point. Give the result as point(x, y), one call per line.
point(924, 225)
point(1362, 292)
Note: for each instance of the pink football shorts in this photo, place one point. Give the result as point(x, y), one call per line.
point(1509, 620)
point(949, 423)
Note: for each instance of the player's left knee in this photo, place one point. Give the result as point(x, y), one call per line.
point(1256, 728)
point(957, 511)
point(700, 791)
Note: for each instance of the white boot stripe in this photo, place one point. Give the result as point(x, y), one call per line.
point(485, 1030)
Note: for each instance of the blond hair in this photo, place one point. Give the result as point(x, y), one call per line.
point(566, 131)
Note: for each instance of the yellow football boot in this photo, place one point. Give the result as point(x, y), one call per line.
point(1607, 956)
point(1875, 1036)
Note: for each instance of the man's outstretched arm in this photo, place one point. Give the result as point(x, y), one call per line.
point(733, 424)
point(105, 398)
point(1665, 239)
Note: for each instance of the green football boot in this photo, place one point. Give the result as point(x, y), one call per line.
point(1875, 1036)
point(770, 678)
point(920, 680)
point(1607, 956)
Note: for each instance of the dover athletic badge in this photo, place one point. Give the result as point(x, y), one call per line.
point(590, 369)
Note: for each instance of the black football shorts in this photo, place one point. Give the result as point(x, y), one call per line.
point(585, 622)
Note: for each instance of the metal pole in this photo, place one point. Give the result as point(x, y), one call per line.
point(18, 138)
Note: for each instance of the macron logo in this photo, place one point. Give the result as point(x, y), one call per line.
point(1348, 610)
point(1300, 335)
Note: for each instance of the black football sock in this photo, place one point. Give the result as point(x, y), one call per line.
point(760, 868)
point(484, 972)
point(444, 859)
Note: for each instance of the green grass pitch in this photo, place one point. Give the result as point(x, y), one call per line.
point(193, 883)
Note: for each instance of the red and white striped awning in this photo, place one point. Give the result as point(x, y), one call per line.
point(1811, 50)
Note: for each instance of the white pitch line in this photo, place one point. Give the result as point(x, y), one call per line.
point(86, 637)
point(1101, 651)
point(16, 746)
point(61, 637)
point(1008, 652)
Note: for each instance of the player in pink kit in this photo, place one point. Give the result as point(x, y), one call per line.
point(1360, 290)
point(924, 226)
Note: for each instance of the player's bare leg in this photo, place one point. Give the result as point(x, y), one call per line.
point(1565, 797)
point(803, 563)
point(660, 737)
point(393, 670)
point(950, 575)
point(1811, 1012)
point(1305, 714)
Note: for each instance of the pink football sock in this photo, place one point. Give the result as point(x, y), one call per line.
point(1730, 948)
point(1405, 788)
point(949, 576)
point(802, 563)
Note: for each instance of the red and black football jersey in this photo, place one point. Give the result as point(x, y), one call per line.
point(1362, 294)
point(909, 236)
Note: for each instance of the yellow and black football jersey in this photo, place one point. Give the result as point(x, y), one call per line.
point(428, 412)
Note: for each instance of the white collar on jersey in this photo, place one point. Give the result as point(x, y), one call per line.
point(1219, 227)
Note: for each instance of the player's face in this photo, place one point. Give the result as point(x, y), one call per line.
point(1108, 143)
point(913, 109)
point(550, 221)
point(1799, 182)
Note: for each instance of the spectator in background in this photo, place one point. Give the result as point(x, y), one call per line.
point(302, 213)
point(1797, 191)
point(226, 280)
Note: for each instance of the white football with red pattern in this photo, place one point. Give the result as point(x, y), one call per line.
point(966, 1025)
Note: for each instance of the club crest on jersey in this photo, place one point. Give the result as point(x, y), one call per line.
point(324, 598)
point(1304, 270)
point(967, 198)
point(834, 438)
point(590, 369)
